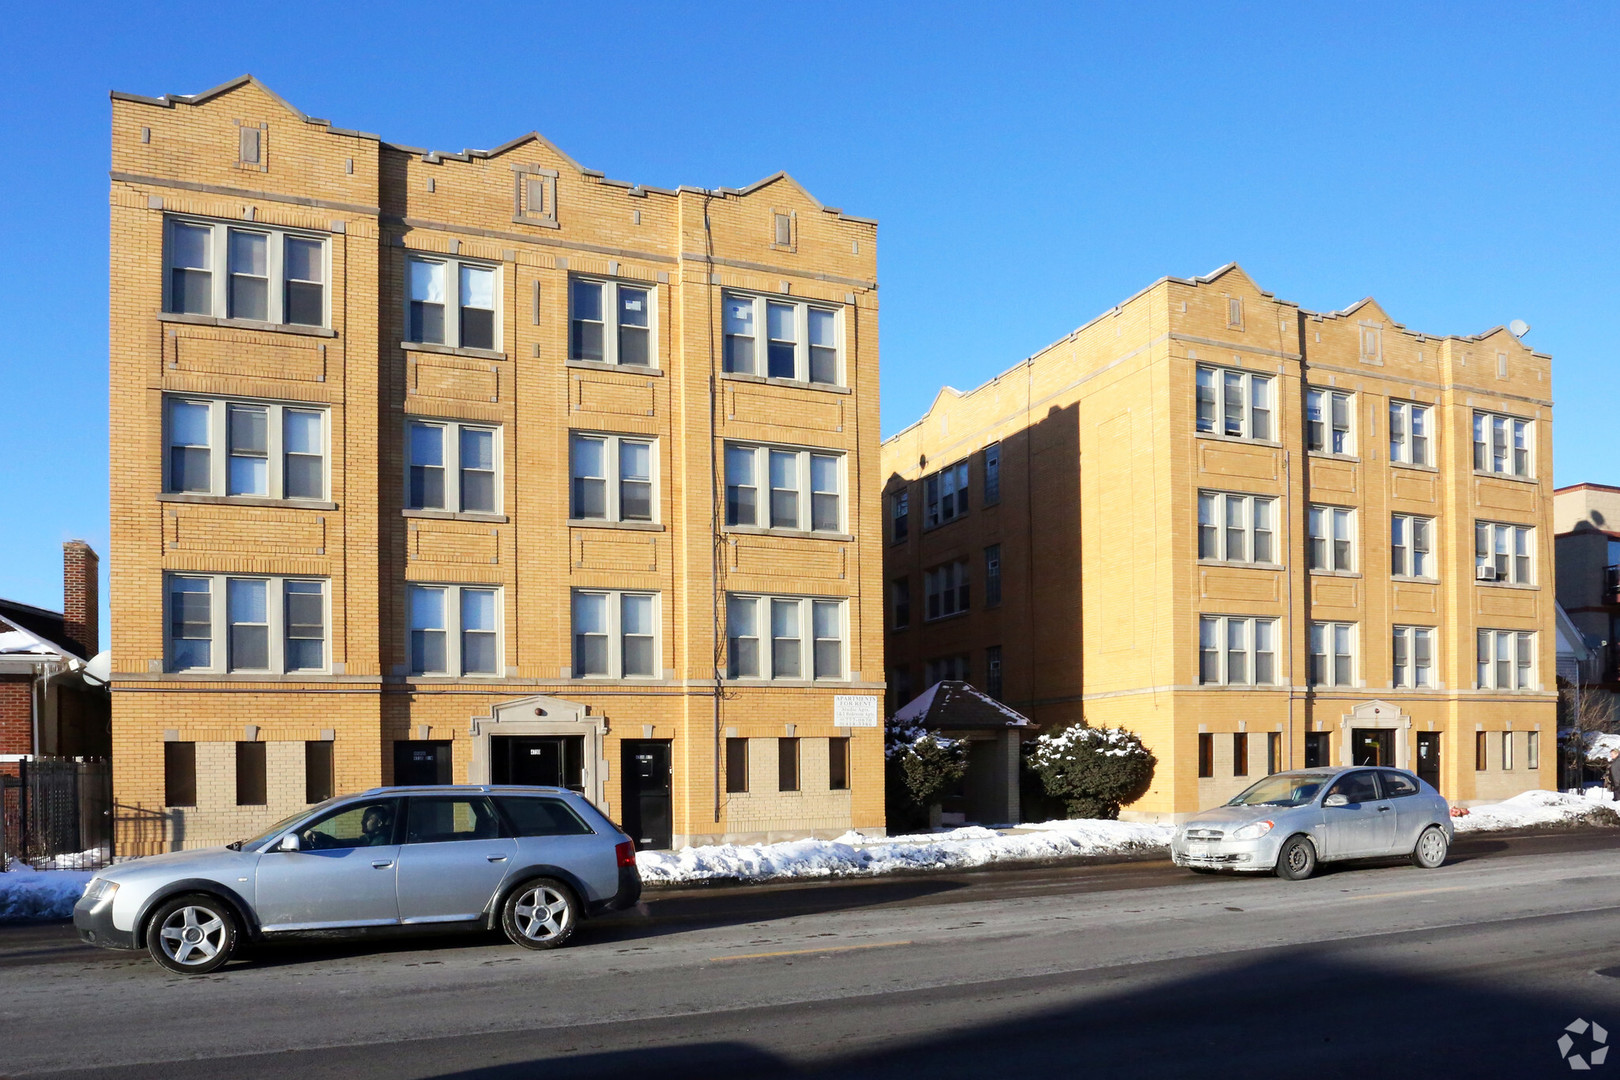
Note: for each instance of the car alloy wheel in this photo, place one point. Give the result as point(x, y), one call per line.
point(540, 914)
point(192, 935)
point(1431, 848)
point(1297, 859)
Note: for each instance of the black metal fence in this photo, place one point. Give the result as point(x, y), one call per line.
point(56, 813)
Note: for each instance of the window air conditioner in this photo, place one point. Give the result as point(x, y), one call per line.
point(1484, 573)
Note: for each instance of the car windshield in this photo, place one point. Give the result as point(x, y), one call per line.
point(1284, 789)
point(279, 827)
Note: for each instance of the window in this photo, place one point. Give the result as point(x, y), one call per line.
point(453, 467)
point(1414, 657)
point(1504, 552)
point(736, 766)
point(616, 635)
point(948, 668)
point(1502, 444)
point(1240, 754)
point(271, 451)
point(610, 322)
point(1506, 660)
point(1234, 651)
point(992, 474)
point(945, 495)
point(1397, 785)
point(899, 687)
point(992, 575)
point(454, 630)
point(802, 340)
point(612, 478)
point(270, 275)
point(1234, 403)
point(447, 820)
point(946, 588)
point(1206, 754)
point(273, 625)
point(1236, 528)
point(1532, 754)
point(318, 772)
point(179, 774)
point(787, 764)
point(1409, 546)
point(250, 774)
point(1507, 750)
point(992, 671)
point(806, 489)
point(1327, 422)
point(451, 302)
point(838, 763)
point(1409, 426)
point(1328, 531)
point(900, 603)
point(1481, 752)
point(1273, 752)
point(1330, 654)
point(900, 514)
point(541, 817)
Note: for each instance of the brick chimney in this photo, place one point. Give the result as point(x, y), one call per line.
point(81, 596)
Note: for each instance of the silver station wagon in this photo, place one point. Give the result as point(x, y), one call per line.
point(1290, 821)
point(533, 861)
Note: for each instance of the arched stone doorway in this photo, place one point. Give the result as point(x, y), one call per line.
point(535, 725)
point(1375, 730)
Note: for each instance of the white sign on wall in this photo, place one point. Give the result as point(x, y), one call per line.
point(851, 710)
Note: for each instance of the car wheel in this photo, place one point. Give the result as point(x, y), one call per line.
point(540, 914)
point(192, 934)
point(1431, 848)
point(1297, 859)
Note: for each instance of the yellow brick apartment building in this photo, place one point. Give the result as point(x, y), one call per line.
point(1260, 537)
point(482, 467)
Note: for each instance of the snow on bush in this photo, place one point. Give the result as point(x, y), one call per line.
point(922, 766)
point(1093, 770)
point(26, 893)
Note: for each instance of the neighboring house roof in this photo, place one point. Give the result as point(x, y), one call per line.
point(46, 628)
point(955, 706)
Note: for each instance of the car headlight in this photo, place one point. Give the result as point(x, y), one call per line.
point(100, 889)
point(1254, 830)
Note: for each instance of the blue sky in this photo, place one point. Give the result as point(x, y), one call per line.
point(1029, 165)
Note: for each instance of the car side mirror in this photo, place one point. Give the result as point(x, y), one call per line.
point(289, 843)
point(1336, 800)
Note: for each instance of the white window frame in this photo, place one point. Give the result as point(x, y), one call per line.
point(1210, 388)
point(946, 590)
point(450, 432)
point(220, 661)
point(220, 271)
point(807, 641)
point(801, 322)
point(1330, 636)
point(954, 477)
point(1408, 557)
point(610, 321)
point(1406, 446)
point(1412, 642)
point(1236, 637)
point(1326, 435)
point(804, 494)
point(1214, 529)
point(1504, 445)
point(613, 508)
point(614, 603)
point(452, 301)
point(1340, 524)
point(1516, 650)
point(453, 631)
point(1501, 543)
point(219, 449)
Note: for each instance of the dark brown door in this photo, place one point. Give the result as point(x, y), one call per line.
point(543, 760)
point(1428, 758)
point(647, 804)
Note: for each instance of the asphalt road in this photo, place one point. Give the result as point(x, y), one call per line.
point(1130, 969)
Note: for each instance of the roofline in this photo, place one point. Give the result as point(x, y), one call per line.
point(169, 101)
point(30, 608)
point(1587, 486)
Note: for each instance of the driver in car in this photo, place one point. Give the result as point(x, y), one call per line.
point(377, 826)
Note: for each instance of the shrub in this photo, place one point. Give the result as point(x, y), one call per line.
point(922, 766)
point(1093, 770)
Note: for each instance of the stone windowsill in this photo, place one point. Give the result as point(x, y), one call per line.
point(244, 500)
point(451, 515)
point(633, 526)
point(827, 388)
point(794, 534)
point(622, 369)
point(246, 324)
point(448, 350)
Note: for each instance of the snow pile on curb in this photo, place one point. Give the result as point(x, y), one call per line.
point(1531, 808)
point(26, 893)
point(855, 854)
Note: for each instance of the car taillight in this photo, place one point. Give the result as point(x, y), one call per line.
point(626, 854)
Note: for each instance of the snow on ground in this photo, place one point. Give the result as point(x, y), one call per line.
point(26, 893)
point(1532, 808)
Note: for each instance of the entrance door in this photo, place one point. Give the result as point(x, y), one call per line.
point(1428, 758)
point(1372, 746)
point(421, 762)
point(1316, 750)
point(545, 760)
point(647, 816)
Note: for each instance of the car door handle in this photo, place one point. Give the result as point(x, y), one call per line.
point(1383, 809)
point(383, 864)
point(496, 858)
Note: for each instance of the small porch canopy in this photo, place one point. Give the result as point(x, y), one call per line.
point(994, 734)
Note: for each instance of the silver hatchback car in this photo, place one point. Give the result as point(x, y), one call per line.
point(534, 861)
point(1290, 821)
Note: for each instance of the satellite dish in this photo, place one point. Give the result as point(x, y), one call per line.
point(100, 667)
point(1518, 328)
